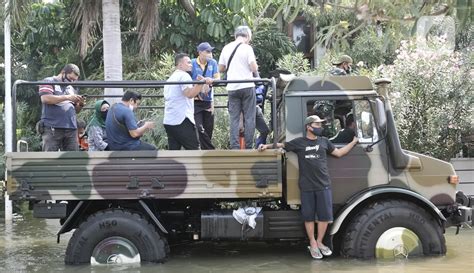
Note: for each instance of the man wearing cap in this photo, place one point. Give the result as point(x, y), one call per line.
point(314, 180)
point(242, 66)
point(60, 103)
point(204, 65)
point(342, 66)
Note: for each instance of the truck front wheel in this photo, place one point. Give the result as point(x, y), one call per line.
point(115, 236)
point(393, 228)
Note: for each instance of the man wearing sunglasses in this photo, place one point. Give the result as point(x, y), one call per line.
point(60, 104)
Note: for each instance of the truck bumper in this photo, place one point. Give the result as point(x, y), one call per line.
point(462, 215)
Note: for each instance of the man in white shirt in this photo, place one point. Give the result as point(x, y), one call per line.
point(179, 106)
point(242, 66)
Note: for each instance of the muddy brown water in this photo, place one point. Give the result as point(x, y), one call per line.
point(29, 245)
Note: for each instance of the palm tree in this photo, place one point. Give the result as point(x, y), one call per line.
point(87, 17)
point(86, 14)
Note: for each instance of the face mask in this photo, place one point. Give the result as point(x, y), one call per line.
point(103, 115)
point(317, 131)
point(348, 70)
point(66, 79)
point(131, 107)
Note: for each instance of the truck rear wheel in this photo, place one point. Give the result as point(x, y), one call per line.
point(393, 228)
point(115, 236)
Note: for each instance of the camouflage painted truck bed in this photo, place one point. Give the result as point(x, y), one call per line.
point(144, 174)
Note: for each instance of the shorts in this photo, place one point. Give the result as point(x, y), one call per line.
point(317, 205)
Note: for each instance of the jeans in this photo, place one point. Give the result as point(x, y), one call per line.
point(144, 147)
point(205, 125)
point(261, 127)
point(55, 139)
point(242, 101)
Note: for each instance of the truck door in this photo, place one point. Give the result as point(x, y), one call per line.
point(362, 168)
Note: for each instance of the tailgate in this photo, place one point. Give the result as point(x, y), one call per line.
point(219, 174)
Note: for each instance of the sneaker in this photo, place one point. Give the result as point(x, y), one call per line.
point(315, 253)
point(325, 250)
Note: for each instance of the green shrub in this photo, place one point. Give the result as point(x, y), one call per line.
point(295, 63)
point(432, 98)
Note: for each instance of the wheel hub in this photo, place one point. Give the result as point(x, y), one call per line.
point(115, 250)
point(398, 242)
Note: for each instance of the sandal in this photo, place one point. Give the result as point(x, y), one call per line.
point(326, 251)
point(315, 253)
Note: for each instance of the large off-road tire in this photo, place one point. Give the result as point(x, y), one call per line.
point(115, 236)
point(392, 228)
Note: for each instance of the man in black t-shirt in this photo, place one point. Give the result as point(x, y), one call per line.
point(314, 180)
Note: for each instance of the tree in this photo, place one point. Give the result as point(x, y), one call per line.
point(112, 46)
point(432, 98)
point(339, 22)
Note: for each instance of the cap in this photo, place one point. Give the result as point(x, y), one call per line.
point(204, 47)
point(342, 59)
point(312, 119)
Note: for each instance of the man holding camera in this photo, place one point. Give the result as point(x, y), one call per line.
point(58, 125)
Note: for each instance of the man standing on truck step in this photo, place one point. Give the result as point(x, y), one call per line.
point(238, 61)
point(123, 132)
point(179, 105)
point(314, 180)
point(58, 124)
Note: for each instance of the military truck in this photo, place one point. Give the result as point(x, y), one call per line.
point(128, 206)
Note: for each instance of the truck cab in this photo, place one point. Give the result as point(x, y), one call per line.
point(377, 172)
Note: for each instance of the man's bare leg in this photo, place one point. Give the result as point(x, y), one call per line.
point(310, 232)
point(322, 227)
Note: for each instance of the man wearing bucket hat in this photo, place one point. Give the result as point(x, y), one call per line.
point(204, 65)
point(314, 181)
point(342, 66)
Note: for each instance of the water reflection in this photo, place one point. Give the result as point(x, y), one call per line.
point(29, 245)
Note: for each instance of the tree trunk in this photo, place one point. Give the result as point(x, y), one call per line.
point(112, 47)
point(188, 6)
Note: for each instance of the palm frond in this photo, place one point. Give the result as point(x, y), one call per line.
point(85, 14)
point(147, 13)
point(18, 10)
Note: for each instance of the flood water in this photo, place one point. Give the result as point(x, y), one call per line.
point(29, 245)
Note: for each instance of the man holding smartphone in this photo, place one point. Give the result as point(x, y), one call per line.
point(58, 124)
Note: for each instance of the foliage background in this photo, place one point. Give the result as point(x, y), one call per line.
point(432, 92)
point(433, 98)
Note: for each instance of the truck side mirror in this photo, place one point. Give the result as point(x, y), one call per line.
point(381, 115)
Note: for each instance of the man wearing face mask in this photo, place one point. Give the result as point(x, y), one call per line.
point(204, 65)
point(123, 133)
point(314, 181)
point(342, 66)
point(58, 124)
point(96, 133)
